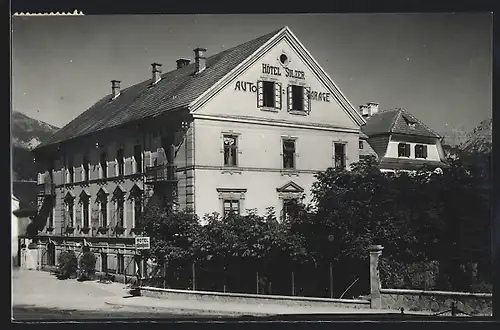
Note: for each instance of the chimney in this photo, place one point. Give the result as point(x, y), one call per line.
point(364, 110)
point(182, 62)
point(156, 72)
point(199, 56)
point(373, 108)
point(115, 88)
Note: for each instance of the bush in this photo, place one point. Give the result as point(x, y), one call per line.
point(67, 265)
point(87, 266)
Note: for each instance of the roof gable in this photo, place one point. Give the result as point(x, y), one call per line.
point(303, 56)
point(176, 89)
point(396, 121)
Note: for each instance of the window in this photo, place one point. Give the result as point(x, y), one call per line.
point(231, 207)
point(269, 94)
point(51, 171)
point(71, 170)
point(70, 209)
point(86, 213)
point(361, 145)
point(287, 207)
point(120, 204)
point(137, 208)
point(120, 263)
point(121, 162)
point(86, 168)
point(340, 161)
point(420, 151)
point(230, 150)
point(104, 212)
point(104, 262)
point(138, 158)
point(403, 150)
point(51, 218)
point(51, 254)
point(104, 165)
point(298, 98)
point(288, 153)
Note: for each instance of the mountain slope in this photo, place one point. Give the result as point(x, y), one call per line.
point(480, 139)
point(27, 133)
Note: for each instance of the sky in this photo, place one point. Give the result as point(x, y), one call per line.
point(437, 66)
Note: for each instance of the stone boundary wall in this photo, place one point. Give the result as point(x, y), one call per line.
point(437, 301)
point(251, 298)
point(421, 300)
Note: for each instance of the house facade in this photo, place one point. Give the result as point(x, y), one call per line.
point(247, 128)
point(401, 141)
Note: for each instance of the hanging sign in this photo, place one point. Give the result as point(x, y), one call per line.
point(142, 243)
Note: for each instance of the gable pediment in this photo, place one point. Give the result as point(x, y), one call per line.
point(290, 187)
point(102, 194)
point(135, 191)
point(119, 192)
point(84, 195)
point(69, 197)
point(241, 86)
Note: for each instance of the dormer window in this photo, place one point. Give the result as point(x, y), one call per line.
point(410, 122)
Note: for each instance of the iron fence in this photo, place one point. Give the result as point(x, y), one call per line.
point(307, 281)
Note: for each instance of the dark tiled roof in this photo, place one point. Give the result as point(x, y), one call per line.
point(25, 192)
point(379, 144)
point(397, 121)
point(409, 164)
point(367, 150)
point(176, 89)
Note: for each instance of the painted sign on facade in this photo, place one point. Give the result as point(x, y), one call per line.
point(248, 86)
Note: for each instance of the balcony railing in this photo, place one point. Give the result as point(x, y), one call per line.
point(161, 174)
point(46, 189)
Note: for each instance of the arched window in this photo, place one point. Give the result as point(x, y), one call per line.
point(102, 200)
point(119, 200)
point(85, 203)
point(135, 197)
point(69, 202)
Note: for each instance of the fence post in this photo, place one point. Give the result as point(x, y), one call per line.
point(293, 284)
point(194, 277)
point(331, 280)
point(257, 282)
point(375, 296)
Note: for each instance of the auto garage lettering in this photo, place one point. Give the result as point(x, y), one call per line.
point(247, 86)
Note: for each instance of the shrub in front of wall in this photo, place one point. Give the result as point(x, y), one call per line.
point(67, 265)
point(87, 266)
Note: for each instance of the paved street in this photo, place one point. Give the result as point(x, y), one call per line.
point(40, 295)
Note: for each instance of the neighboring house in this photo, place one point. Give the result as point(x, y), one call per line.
point(365, 149)
point(401, 141)
point(247, 128)
point(14, 231)
point(23, 211)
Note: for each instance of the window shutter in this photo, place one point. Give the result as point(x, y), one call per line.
point(128, 213)
point(424, 151)
point(128, 166)
point(277, 87)
point(290, 99)
point(307, 102)
point(147, 158)
point(260, 94)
